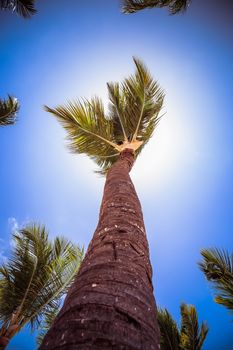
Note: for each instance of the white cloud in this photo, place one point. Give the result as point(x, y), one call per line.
point(14, 225)
point(3, 257)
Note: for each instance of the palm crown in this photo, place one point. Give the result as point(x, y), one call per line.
point(24, 8)
point(175, 6)
point(8, 111)
point(188, 336)
point(32, 282)
point(131, 119)
point(217, 266)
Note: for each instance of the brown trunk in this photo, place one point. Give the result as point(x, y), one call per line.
point(6, 334)
point(3, 342)
point(111, 303)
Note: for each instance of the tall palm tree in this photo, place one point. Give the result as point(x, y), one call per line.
point(8, 111)
point(34, 279)
point(217, 266)
point(174, 6)
point(188, 336)
point(111, 303)
point(25, 8)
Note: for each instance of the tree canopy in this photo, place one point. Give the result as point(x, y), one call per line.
point(134, 112)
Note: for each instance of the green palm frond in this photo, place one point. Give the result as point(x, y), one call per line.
point(169, 332)
point(175, 6)
point(48, 319)
point(191, 336)
point(217, 266)
point(188, 336)
point(8, 111)
point(144, 100)
point(133, 114)
point(25, 8)
point(38, 273)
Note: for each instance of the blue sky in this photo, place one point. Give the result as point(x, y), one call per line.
point(184, 175)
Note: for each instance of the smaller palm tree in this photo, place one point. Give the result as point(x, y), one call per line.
point(34, 279)
point(8, 110)
point(175, 6)
point(188, 336)
point(25, 8)
point(217, 266)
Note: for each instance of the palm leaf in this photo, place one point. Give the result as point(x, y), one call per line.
point(169, 332)
point(144, 100)
point(38, 273)
point(133, 114)
point(217, 266)
point(48, 319)
point(175, 6)
point(8, 111)
point(25, 8)
point(191, 337)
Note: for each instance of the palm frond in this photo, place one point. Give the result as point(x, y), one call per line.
point(116, 108)
point(48, 319)
point(25, 8)
point(144, 100)
point(174, 6)
point(8, 111)
point(217, 266)
point(133, 114)
point(36, 276)
point(169, 332)
point(191, 337)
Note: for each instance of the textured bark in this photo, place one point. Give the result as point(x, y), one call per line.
point(7, 332)
point(111, 304)
point(3, 342)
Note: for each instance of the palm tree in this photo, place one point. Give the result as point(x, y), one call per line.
point(34, 279)
point(175, 6)
point(188, 336)
point(8, 111)
point(25, 8)
point(217, 266)
point(111, 303)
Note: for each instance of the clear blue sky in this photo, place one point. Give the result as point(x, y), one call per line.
point(70, 49)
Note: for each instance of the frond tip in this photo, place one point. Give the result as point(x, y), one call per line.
point(192, 335)
point(133, 114)
point(217, 265)
point(174, 6)
point(187, 336)
point(25, 8)
point(8, 110)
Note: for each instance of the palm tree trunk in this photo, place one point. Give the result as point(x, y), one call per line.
point(3, 342)
point(111, 304)
point(6, 334)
